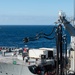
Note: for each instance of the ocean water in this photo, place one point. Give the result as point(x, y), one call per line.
point(13, 35)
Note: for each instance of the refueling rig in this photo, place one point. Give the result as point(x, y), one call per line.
point(71, 29)
point(63, 65)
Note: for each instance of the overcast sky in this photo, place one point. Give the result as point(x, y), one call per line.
point(33, 12)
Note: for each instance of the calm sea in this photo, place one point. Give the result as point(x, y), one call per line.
point(13, 35)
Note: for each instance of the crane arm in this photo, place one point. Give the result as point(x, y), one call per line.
point(66, 23)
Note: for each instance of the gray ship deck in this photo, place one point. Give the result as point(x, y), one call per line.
point(8, 68)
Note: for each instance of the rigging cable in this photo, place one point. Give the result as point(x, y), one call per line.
point(41, 33)
point(49, 38)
